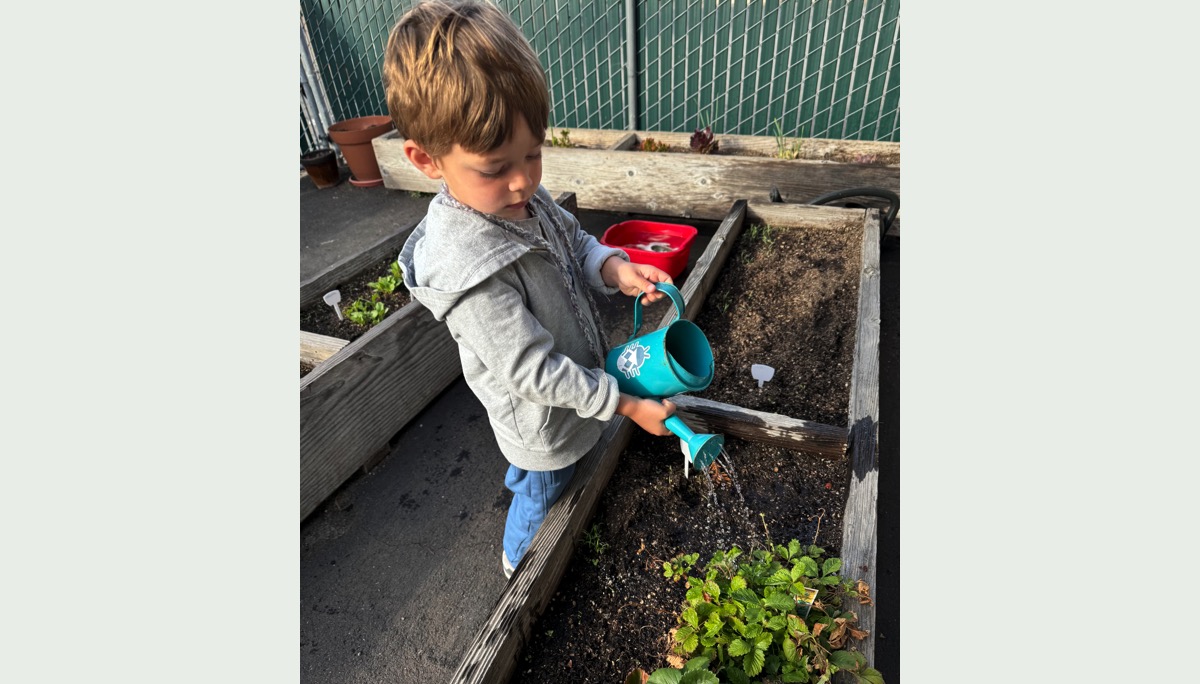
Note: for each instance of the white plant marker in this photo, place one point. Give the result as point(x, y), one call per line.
point(332, 298)
point(761, 373)
point(687, 457)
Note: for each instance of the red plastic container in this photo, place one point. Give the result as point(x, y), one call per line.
point(665, 245)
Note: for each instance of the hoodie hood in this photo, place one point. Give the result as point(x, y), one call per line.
point(458, 250)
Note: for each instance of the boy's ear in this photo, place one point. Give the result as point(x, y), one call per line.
point(421, 159)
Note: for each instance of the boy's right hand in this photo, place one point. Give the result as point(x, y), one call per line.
point(647, 413)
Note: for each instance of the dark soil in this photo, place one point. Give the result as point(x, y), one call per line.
point(614, 610)
point(321, 319)
point(789, 299)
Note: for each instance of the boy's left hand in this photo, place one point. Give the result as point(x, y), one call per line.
point(633, 279)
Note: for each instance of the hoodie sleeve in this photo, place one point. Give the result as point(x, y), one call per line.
point(494, 311)
point(591, 253)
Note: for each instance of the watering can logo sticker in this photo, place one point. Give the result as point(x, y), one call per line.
point(632, 358)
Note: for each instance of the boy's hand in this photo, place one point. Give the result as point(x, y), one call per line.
point(647, 413)
point(634, 279)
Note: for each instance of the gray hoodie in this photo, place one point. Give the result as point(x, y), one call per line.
point(526, 328)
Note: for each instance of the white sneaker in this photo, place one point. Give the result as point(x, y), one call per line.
point(508, 567)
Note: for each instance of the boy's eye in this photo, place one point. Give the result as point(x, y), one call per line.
point(536, 155)
point(492, 174)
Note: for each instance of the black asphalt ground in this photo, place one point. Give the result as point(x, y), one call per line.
point(401, 566)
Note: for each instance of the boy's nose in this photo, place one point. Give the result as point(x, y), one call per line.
point(520, 180)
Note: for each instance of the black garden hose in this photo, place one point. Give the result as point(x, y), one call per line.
point(881, 193)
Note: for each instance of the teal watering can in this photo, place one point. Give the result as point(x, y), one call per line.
point(666, 362)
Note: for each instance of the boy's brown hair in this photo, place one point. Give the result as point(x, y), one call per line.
point(460, 71)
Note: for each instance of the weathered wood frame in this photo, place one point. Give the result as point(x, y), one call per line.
point(493, 654)
point(609, 175)
point(361, 393)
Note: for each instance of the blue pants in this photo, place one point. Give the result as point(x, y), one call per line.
point(534, 492)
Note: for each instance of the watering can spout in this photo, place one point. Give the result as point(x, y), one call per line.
point(702, 449)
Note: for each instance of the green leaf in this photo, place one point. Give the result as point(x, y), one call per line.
point(711, 588)
point(830, 580)
point(711, 628)
point(871, 676)
point(797, 571)
point(781, 601)
point(745, 596)
point(735, 675)
point(793, 548)
point(666, 569)
point(780, 577)
point(789, 649)
point(683, 634)
point(777, 622)
point(738, 582)
point(705, 610)
point(695, 595)
point(848, 660)
point(699, 677)
point(689, 616)
point(729, 609)
point(795, 676)
point(738, 625)
point(809, 565)
point(816, 551)
point(697, 663)
point(831, 566)
point(764, 641)
point(754, 613)
point(738, 647)
point(690, 643)
point(666, 675)
point(753, 662)
point(794, 622)
point(708, 641)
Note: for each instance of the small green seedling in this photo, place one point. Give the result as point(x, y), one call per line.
point(785, 149)
point(366, 313)
point(592, 540)
point(563, 139)
point(385, 285)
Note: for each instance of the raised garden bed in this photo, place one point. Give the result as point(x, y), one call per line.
point(360, 393)
point(609, 173)
point(809, 455)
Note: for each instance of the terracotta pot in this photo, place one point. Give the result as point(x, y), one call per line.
point(354, 137)
point(322, 168)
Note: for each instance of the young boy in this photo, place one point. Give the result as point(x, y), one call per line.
point(498, 260)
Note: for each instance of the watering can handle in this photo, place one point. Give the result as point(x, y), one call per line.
point(671, 291)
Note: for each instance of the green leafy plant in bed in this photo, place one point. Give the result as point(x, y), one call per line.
point(366, 313)
point(781, 613)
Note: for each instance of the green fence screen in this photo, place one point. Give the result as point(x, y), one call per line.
point(820, 69)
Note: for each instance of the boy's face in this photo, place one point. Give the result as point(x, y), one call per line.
point(498, 182)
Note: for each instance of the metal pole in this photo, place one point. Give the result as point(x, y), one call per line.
point(319, 99)
point(631, 61)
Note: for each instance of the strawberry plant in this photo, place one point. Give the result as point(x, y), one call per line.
point(781, 612)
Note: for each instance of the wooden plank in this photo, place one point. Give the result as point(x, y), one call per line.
point(859, 523)
point(707, 416)
point(708, 266)
point(814, 149)
point(803, 215)
point(665, 184)
point(316, 348)
point(493, 653)
point(354, 402)
point(315, 287)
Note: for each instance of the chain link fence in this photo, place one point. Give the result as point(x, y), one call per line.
point(811, 68)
